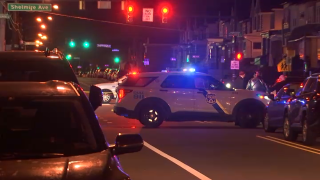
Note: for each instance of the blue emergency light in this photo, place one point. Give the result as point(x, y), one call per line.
point(189, 70)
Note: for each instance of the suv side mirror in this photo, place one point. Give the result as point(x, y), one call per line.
point(128, 143)
point(95, 97)
point(271, 96)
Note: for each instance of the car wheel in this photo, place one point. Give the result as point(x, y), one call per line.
point(248, 117)
point(288, 132)
point(266, 124)
point(107, 96)
point(308, 136)
point(151, 116)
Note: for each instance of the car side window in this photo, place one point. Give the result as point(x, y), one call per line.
point(310, 86)
point(178, 81)
point(208, 82)
point(281, 92)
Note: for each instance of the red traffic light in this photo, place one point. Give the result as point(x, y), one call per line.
point(165, 10)
point(239, 56)
point(130, 8)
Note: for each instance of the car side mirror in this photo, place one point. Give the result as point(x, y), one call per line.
point(128, 143)
point(95, 97)
point(271, 96)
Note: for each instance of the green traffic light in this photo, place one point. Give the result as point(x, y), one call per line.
point(116, 60)
point(72, 44)
point(86, 45)
point(69, 57)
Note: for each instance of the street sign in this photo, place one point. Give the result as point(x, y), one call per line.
point(4, 16)
point(146, 62)
point(173, 59)
point(283, 66)
point(115, 50)
point(235, 64)
point(195, 56)
point(76, 58)
point(104, 45)
point(147, 14)
point(30, 43)
point(29, 7)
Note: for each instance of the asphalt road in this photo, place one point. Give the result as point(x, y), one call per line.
point(209, 150)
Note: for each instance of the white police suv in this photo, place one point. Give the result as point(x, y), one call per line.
point(109, 89)
point(155, 97)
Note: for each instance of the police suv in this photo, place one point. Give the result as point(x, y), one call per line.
point(155, 97)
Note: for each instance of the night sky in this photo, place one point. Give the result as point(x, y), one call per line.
point(62, 29)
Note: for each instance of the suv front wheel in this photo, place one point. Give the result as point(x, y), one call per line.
point(151, 116)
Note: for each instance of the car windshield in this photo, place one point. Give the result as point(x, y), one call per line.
point(42, 126)
point(29, 70)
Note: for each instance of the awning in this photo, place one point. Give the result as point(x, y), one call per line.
point(283, 66)
point(305, 30)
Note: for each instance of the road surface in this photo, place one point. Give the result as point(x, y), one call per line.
point(210, 150)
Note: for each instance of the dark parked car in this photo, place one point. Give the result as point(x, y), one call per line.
point(48, 130)
point(276, 108)
point(302, 113)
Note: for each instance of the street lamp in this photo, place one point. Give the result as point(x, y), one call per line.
point(39, 19)
point(40, 43)
point(37, 41)
point(37, 45)
point(43, 26)
point(49, 18)
point(44, 37)
point(40, 35)
point(56, 7)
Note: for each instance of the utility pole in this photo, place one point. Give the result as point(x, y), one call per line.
point(2, 30)
point(15, 36)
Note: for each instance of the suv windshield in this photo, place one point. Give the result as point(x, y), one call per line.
point(45, 126)
point(29, 70)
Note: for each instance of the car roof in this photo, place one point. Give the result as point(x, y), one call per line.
point(49, 88)
point(143, 74)
point(27, 55)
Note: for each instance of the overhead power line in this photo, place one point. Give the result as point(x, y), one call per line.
point(110, 22)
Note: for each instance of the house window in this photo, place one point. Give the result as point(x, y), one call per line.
point(272, 21)
point(261, 22)
point(318, 14)
point(256, 45)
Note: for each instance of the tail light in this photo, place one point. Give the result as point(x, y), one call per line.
point(123, 92)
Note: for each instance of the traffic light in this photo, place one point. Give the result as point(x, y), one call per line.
point(117, 60)
point(69, 57)
point(164, 12)
point(130, 14)
point(86, 44)
point(239, 56)
point(72, 44)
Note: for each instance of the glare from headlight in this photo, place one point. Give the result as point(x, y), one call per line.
point(228, 85)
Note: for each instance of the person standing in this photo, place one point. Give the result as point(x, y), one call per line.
point(257, 83)
point(241, 81)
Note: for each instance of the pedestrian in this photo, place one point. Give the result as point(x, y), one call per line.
point(257, 83)
point(241, 81)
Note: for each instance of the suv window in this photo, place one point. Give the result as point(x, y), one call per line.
point(136, 81)
point(36, 70)
point(178, 81)
point(208, 82)
point(311, 85)
point(46, 125)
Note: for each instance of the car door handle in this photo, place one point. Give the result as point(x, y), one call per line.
point(163, 90)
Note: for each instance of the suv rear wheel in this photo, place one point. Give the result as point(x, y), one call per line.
point(151, 116)
point(288, 132)
point(308, 136)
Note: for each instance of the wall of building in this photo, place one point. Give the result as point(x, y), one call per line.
point(278, 14)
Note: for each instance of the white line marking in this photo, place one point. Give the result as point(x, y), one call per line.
point(177, 162)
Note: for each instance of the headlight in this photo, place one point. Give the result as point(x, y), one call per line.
point(228, 85)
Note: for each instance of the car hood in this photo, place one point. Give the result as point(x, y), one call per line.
point(112, 85)
point(244, 94)
point(86, 167)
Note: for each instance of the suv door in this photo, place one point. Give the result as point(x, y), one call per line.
point(300, 103)
point(211, 95)
point(178, 92)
